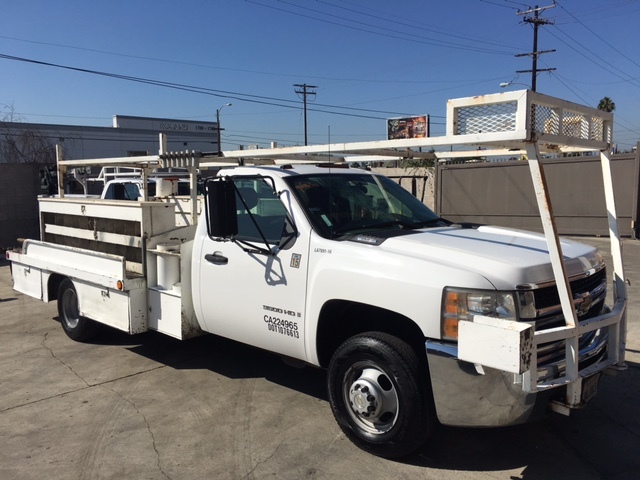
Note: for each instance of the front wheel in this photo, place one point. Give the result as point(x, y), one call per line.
point(74, 325)
point(379, 396)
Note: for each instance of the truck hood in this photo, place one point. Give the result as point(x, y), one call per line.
point(506, 257)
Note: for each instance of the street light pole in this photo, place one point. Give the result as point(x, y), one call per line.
point(218, 122)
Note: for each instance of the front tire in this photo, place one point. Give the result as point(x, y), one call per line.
point(76, 327)
point(379, 396)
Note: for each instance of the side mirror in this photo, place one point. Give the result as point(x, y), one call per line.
point(220, 209)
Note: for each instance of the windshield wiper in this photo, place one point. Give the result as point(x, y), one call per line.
point(393, 223)
point(411, 225)
point(403, 224)
point(375, 226)
point(434, 222)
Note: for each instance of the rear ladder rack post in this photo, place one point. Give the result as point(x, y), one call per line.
point(617, 333)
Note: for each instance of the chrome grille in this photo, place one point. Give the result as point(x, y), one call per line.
point(589, 292)
point(548, 296)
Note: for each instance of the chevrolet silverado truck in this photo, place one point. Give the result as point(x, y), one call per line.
point(417, 320)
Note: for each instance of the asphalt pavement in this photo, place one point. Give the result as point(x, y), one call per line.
point(151, 407)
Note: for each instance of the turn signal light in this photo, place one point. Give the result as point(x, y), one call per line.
point(450, 328)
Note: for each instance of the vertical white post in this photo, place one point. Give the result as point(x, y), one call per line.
point(559, 270)
point(619, 285)
point(62, 170)
point(551, 233)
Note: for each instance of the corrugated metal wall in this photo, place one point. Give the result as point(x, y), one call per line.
point(501, 193)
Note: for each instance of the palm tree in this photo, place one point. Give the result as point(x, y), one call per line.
point(606, 105)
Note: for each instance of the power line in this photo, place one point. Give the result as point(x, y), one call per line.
point(570, 88)
point(591, 55)
point(258, 99)
point(499, 4)
point(241, 97)
point(440, 32)
point(600, 13)
point(215, 67)
point(599, 37)
point(613, 70)
point(395, 35)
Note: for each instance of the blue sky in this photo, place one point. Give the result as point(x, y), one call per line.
point(370, 60)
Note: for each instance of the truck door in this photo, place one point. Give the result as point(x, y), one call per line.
point(246, 293)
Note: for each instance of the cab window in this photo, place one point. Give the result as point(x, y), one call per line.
point(122, 191)
point(256, 201)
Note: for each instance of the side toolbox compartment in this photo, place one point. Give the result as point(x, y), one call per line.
point(105, 293)
point(129, 263)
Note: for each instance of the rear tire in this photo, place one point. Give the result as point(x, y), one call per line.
point(379, 396)
point(76, 327)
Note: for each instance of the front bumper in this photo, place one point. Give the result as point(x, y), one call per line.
point(485, 397)
point(467, 394)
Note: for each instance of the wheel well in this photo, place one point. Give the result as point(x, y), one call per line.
point(53, 285)
point(341, 319)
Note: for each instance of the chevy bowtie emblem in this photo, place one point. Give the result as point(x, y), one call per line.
point(585, 305)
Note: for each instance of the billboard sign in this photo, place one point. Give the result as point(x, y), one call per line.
point(409, 127)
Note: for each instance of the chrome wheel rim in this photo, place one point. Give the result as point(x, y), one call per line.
point(371, 398)
point(70, 310)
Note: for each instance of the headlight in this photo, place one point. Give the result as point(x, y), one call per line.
point(461, 304)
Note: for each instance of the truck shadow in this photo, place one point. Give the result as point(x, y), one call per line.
point(220, 355)
point(596, 442)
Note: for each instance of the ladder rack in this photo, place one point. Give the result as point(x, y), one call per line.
point(502, 122)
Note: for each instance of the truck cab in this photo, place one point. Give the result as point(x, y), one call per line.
point(309, 258)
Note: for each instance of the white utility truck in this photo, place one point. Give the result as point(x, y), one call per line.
point(417, 320)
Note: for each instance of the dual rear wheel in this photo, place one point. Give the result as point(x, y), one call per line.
point(74, 325)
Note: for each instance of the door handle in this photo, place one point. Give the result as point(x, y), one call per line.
point(216, 258)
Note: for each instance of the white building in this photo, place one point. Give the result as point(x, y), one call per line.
point(129, 136)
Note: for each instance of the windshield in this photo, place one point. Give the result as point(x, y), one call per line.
point(341, 204)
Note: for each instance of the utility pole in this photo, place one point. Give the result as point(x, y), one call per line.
point(305, 90)
point(536, 21)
